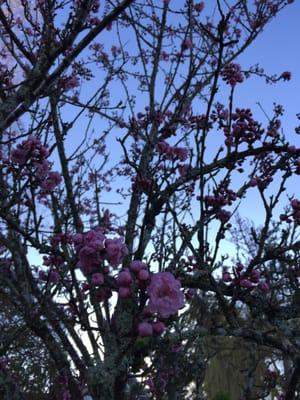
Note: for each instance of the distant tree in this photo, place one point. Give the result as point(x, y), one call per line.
point(24, 355)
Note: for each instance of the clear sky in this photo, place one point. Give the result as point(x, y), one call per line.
point(276, 50)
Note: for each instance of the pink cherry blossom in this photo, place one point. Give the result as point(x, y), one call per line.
point(85, 287)
point(95, 239)
point(70, 82)
point(226, 277)
point(264, 287)
point(245, 283)
point(137, 265)
point(199, 6)
point(97, 279)
point(124, 278)
point(78, 240)
point(254, 276)
point(143, 275)
point(181, 153)
point(89, 259)
point(286, 76)
point(53, 276)
point(116, 250)
point(19, 156)
point(162, 147)
point(232, 74)
point(158, 327)
point(42, 276)
point(165, 296)
point(52, 180)
point(145, 329)
point(42, 169)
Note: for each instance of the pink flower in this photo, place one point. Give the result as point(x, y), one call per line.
point(245, 283)
point(53, 276)
point(254, 276)
point(291, 149)
point(78, 239)
point(85, 287)
point(181, 153)
point(30, 149)
point(162, 147)
point(164, 294)
point(42, 276)
point(226, 277)
point(116, 250)
point(286, 76)
point(283, 217)
point(19, 156)
point(239, 267)
point(42, 169)
point(137, 265)
point(145, 329)
point(232, 74)
point(89, 259)
point(295, 204)
point(143, 275)
point(95, 239)
point(158, 327)
point(199, 6)
point(253, 182)
point(264, 287)
point(124, 278)
point(71, 82)
point(97, 279)
point(53, 179)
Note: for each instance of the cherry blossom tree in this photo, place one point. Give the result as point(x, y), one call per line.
point(124, 161)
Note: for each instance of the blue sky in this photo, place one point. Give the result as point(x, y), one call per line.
point(276, 50)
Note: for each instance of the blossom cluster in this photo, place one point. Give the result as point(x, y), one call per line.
point(297, 165)
point(244, 279)
point(172, 153)
point(165, 299)
point(286, 76)
point(244, 128)
point(32, 154)
point(294, 214)
point(93, 248)
point(163, 290)
point(30, 150)
point(273, 128)
point(266, 168)
point(69, 82)
point(165, 296)
point(221, 198)
point(232, 74)
point(141, 183)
